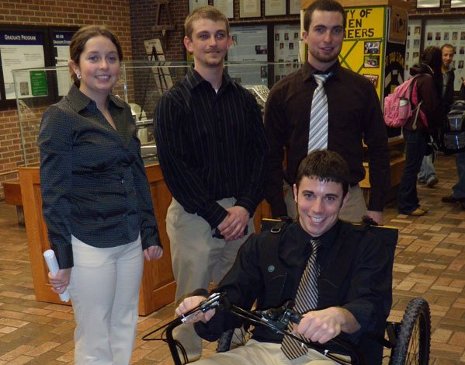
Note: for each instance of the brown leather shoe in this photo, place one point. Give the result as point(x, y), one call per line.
point(418, 212)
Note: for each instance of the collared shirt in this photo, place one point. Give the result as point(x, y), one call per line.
point(354, 117)
point(354, 274)
point(211, 145)
point(93, 178)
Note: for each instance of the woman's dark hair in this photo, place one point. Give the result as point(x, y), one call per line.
point(326, 166)
point(432, 56)
point(80, 38)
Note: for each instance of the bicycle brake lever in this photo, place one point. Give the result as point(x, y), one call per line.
point(213, 301)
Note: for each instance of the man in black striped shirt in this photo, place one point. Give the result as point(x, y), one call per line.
point(211, 147)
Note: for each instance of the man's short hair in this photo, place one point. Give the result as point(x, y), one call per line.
point(447, 45)
point(326, 166)
point(204, 12)
point(323, 5)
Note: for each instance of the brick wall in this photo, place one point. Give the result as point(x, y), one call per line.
point(115, 14)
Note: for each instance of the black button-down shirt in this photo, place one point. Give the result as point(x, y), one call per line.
point(211, 145)
point(93, 178)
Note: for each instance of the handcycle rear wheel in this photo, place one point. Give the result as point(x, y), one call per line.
point(413, 343)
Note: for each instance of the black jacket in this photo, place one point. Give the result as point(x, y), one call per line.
point(355, 273)
point(429, 88)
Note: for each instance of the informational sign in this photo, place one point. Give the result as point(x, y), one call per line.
point(249, 47)
point(362, 49)
point(20, 49)
point(61, 41)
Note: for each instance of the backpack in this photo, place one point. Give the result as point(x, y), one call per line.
point(402, 104)
point(453, 133)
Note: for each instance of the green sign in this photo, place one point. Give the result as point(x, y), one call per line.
point(39, 84)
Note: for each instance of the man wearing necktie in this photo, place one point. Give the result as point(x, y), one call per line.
point(335, 272)
point(324, 105)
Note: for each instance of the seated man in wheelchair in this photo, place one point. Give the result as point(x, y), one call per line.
point(346, 292)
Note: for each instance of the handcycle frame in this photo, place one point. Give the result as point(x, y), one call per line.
point(412, 334)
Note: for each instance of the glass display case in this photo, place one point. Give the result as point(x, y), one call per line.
point(141, 84)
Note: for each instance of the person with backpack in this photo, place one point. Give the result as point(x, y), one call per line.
point(273, 267)
point(427, 173)
point(416, 134)
point(458, 190)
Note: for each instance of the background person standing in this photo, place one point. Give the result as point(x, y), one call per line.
point(427, 173)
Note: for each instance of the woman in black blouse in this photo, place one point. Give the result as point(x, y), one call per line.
point(96, 201)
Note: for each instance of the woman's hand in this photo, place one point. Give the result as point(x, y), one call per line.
point(60, 280)
point(153, 253)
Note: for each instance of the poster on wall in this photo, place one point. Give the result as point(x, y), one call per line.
point(398, 19)
point(362, 49)
point(22, 49)
point(286, 49)
point(61, 41)
point(448, 31)
point(249, 49)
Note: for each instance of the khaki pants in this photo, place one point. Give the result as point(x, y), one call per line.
point(197, 260)
point(104, 290)
point(352, 211)
point(261, 353)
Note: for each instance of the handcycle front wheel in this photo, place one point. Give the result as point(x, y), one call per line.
point(413, 343)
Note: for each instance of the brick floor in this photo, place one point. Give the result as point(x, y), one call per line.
point(429, 262)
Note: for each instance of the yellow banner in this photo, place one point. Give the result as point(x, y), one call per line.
point(363, 47)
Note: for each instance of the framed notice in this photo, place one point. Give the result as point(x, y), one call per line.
point(428, 4)
point(249, 8)
point(225, 6)
point(275, 7)
point(457, 4)
point(294, 6)
point(194, 4)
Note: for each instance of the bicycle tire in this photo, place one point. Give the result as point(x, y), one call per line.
point(413, 343)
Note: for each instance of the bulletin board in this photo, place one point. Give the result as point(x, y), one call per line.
point(31, 47)
point(363, 46)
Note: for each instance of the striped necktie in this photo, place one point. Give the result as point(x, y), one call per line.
point(306, 299)
point(318, 131)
